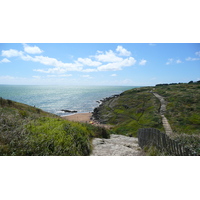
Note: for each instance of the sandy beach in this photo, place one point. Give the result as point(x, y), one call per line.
point(85, 118)
point(79, 117)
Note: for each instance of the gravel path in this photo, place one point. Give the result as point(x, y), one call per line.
point(165, 122)
point(117, 145)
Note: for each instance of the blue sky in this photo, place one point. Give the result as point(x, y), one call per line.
point(134, 64)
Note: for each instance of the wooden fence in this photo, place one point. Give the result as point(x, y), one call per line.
point(151, 136)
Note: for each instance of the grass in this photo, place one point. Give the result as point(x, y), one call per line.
point(26, 130)
point(29, 131)
point(153, 151)
point(137, 108)
point(133, 109)
point(183, 108)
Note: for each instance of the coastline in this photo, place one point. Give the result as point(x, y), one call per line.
point(89, 117)
point(79, 117)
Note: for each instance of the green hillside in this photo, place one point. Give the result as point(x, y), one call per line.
point(139, 108)
point(183, 108)
point(26, 130)
point(133, 109)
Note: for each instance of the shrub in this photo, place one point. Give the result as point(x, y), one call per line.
point(49, 136)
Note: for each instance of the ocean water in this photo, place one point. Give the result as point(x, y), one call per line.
point(55, 98)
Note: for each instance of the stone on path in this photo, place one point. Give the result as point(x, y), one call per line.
point(117, 145)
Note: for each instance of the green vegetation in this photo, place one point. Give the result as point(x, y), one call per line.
point(26, 130)
point(133, 109)
point(153, 151)
point(183, 108)
point(189, 141)
point(138, 108)
point(183, 112)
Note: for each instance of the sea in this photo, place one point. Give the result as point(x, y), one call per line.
point(53, 99)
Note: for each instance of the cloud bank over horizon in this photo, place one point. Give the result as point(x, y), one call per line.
point(106, 64)
point(102, 61)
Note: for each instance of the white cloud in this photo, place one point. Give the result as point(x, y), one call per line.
point(170, 60)
point(88, 62)
point(110, 67)
point(197, 53)
point(11, 53)
point(112, 61)
point(5, 60)
point(27, 58)
point(122, 51)
point(113, 75)
point(128, 62)
point(178, 61)
point(32, 49)
point(62, 75)
point(173, 61)
point(192, 59)
point(47, 61)
point(108, 56)
point(86, 76)
point(89, 70)
point(7, 77)
point(142, 62)
point(60, 67)
point(52, 70)
point(117, 65)
point(65, 75)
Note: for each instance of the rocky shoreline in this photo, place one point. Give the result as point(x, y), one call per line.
point(97, 113)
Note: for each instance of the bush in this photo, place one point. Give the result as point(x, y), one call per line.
point(25, 130)
point(189, 141)
point(49, 136)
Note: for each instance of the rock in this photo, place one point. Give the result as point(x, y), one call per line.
point(117, 145)
point(70, 111)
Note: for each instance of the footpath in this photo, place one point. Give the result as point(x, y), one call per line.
point(117, 145)
point(165, 122)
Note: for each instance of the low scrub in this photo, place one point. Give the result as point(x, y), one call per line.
point(25, 130)
point(133, 109)
point(191, 142)
point(183, 108)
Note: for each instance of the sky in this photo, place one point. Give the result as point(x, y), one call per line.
point(121, 64)
point(131, 25)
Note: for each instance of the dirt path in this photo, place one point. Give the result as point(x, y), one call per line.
point(117, 145)
point(165, 122)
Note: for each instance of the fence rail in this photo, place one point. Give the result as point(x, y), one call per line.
point(151, 136)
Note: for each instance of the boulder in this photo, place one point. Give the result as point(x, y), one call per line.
point(70, 111)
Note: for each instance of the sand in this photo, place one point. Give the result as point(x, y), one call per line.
point(79, 117)
point(85, 118)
